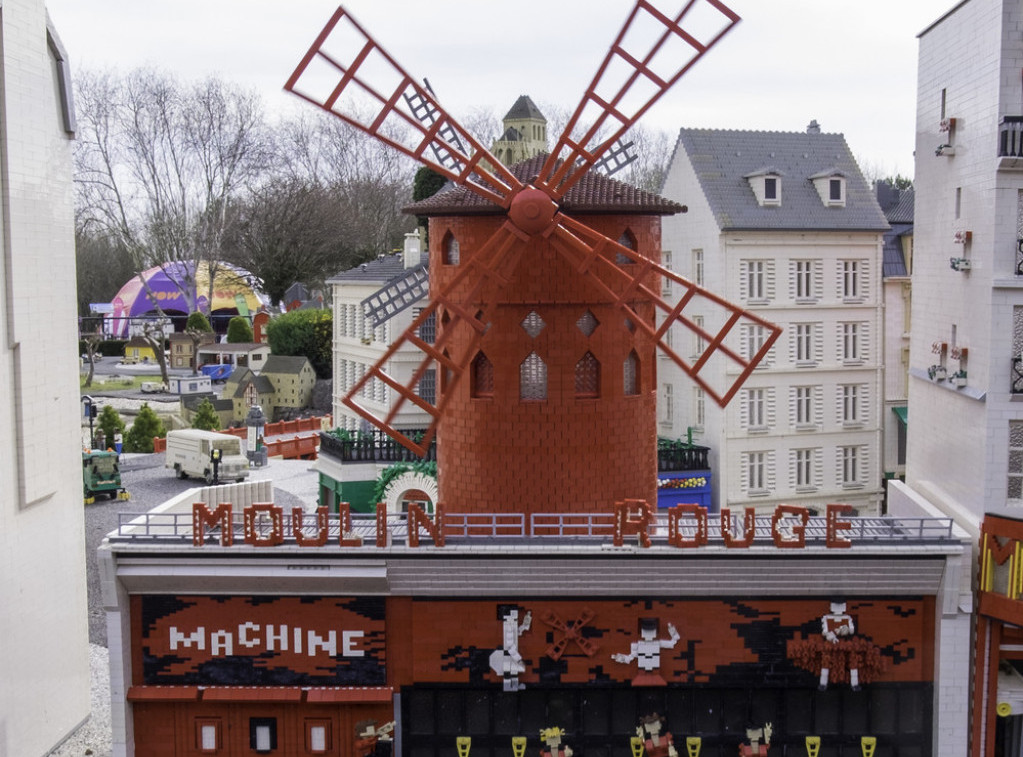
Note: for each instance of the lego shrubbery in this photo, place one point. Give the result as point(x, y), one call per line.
point(239, 330)
point(146, 426)
point(307, 333)
point(206, 417)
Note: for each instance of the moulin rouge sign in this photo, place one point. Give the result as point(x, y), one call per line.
point(688, 526)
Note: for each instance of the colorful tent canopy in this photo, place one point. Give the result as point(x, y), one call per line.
point(165, 285)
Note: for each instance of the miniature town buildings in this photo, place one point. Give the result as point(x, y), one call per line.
point(183, 348)
point(285, 383)
point(785, 225)
point(44, 653)
point(524, 135)
point(138, 350)
point(251, 355)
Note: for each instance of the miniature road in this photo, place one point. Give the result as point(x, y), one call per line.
point(150, 484)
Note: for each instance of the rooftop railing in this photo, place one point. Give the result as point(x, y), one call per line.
point(475, 530)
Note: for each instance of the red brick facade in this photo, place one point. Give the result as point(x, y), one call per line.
point(569, 452)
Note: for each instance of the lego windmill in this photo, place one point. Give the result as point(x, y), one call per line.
point(545, 282)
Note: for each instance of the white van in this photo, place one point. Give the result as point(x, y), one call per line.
point(189, 453)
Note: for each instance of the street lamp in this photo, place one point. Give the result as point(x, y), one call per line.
point(255, 422)
point(89, 411)
point(215, 455)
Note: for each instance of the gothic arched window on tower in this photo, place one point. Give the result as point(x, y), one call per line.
point(587, 377)
point(481, 375)
point(451, 252)
point(631, 375)
point(627, 239)
point(533, 378)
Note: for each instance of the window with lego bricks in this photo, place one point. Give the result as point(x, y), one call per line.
point(630, 376)
point(450, 245)
point(587, 377)
point(533, 378)
point(481, 374)
point(627, 239)
point(599, 720)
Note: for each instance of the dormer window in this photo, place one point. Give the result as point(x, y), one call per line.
point(830, 185)
point(766, 186)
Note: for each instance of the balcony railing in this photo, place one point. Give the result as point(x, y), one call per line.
point(1017, 376)
point(371, 447)
point(1010, 137)
point(378, 447)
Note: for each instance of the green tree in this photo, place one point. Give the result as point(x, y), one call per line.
point(198, 322)
point(196, 328)
point(206, 417)
point(306, 333)
point(239, 330)
point(110, 423)
point(146, 426)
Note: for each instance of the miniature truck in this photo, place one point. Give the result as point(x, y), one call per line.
point(101, 475)
point(190, 452)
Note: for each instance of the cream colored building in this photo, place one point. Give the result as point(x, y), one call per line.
point(785, 225)
point(44, 654)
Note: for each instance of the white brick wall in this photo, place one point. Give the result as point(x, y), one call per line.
point(723, 430)
point(43, 636)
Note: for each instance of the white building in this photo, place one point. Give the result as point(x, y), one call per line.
point(964, 454)
point(897, 205)
point(785, 225)
point(373, 305)
point(44, 660)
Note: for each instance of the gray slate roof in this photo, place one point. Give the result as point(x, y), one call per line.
point(524, 107)
point(381, 270)
point(898, 209)
point(722, 158)
point(285, 364)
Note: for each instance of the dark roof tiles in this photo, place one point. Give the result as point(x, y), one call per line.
point(594, 193)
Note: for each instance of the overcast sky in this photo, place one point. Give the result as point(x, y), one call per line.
point(849, 64)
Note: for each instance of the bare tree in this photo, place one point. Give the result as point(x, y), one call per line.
point(288, 231)
point(158, 164)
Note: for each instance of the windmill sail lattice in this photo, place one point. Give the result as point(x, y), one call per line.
point(350, 75)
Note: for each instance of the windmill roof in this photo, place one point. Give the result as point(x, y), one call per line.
point(724, 159)
point(524, 107)
point(594, 193)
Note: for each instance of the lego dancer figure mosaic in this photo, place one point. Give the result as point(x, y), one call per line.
point(647, 652)
point(507, 662)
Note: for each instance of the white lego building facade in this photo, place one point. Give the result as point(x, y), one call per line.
point(359, 343)
point(43, 634)
point(965, 435)
point(785, 225)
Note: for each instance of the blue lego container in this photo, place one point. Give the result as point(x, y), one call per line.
point(684, 487)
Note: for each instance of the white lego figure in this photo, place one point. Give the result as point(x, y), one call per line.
point(507, 662)
point(647, 651)
point(837, 626)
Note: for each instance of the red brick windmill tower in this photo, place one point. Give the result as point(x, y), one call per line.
point(544, 286)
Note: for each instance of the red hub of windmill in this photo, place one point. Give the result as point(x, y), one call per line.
point(547, 327)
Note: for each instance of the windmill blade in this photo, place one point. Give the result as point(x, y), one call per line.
point(650, 54)
point(428, 115)
point(617, 157)
point(628, 278)
point(491, 266)
point(346, 73)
